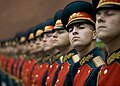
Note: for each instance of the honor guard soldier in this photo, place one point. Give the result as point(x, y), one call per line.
point(78, 19)
point(15, 64)
point(9, 63)
point(30, 61)
point(56, 60)
point(62, 43)
point(108, 30)
point(48, 49)
point(20, 39)
point(3, 62)
point(39, 53)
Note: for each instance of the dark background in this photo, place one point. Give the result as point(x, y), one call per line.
point(20, 15)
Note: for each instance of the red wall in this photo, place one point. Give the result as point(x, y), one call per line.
point(19, 15)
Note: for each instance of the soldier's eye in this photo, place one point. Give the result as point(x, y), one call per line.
point(70, 29)
point(49, 34)
point(60, 31)
point(109, 13)
point(81, 27)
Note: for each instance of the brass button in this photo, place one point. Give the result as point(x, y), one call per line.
point(78, 71)
point(46, 65)
point(57, 66)
point(29, 61)
point(68, 67)
point(36, 75)
point(40, 66)
point(62, 67)
point(48, 77)
point(105, 72)
point(57, 80)
point(50, 66)
point(89, 71)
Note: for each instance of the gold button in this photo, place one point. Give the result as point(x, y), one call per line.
point(105, 72)
point(36, 85)
point(40, 66)
point(29, 61)
point(36, 75)
point(57, 66)
point(46, 65)
point(57, 80)
point(45, 83)
point(62, 67)
point(89, 71)
point(68, 67)
point(50, 66)
point(78, 71)
point(48, 77)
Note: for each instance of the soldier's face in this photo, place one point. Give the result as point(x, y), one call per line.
point(39, 44)
point(32, 46)
point(48, 41)
point(108, 24)
point(9, 49)
point(80, 35)
point(60, 38)
point(23, 48)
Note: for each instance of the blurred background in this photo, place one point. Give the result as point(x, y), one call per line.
point(20, 15)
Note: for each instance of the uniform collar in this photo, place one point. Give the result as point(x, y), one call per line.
point(69, 55)
point(114, 56)
point(56, 57)
point(46, 59)
point(92, 54)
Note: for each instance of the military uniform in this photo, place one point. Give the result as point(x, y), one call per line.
point(56, 63)
point(39, 71)
point(108, 74)
point(48, 27)
point(53, 70)
point(88, 67)
point(41, 65)
point(29, 62)
point(66, 68)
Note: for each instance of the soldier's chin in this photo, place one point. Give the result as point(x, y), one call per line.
point(102, 37)
point(47, 48)
point(75, 44)
point(38, 50)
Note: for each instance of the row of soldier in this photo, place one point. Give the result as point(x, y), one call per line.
point(62, 50)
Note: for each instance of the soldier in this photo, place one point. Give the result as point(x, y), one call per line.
point(30, 61)
point(62, 43)
point(39, 54)
point(15, 64)
point(20, 39)
point(78, 18)
point(108, 30)
point(48, 48)
point(55, 63)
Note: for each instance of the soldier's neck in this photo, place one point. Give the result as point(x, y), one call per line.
point(113, 45)
point(86, 49)
point(66, 49)
point(53, 52)
point(39, 54)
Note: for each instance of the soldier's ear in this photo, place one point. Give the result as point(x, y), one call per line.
point(94, 35)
